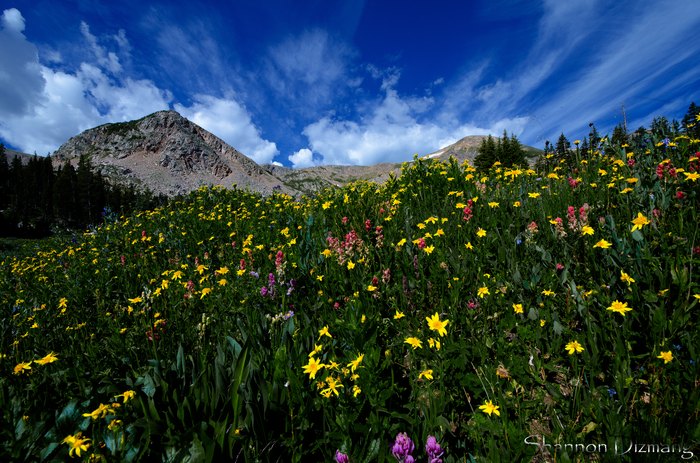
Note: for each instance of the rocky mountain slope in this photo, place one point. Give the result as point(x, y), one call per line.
point(168, 154)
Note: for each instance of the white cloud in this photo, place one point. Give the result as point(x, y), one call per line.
point(302, 158)
point(20, 74)
point(12, 20)
point(391, 131)
point(227, 119)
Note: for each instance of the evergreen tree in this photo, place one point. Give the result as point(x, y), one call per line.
point(64, 195)
point(561, 150)
point(691, 124)
point(503, 151)
point(585, 148)
point(516, 156)
point(14, 189)
point(593, 138)
point(487, 154)
point(675, 127)
point(619, 135)
point(660, 127)
point(89, 190)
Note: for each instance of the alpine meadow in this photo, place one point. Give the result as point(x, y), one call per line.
point(543, 311)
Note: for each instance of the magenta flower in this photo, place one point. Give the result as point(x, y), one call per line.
point(433, 449)
point(340, 457)
point(403, 448)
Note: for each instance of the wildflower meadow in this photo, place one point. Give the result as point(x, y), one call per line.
point(448, 315)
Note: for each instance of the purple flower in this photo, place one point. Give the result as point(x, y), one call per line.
point(433, 449)
point(403, 448)
point(271, 280)
point(340, 457)
point(263, 291)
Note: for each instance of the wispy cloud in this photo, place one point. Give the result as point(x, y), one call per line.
point(106, 59)
point(309, 71)
point(635, 64)
point(587, 58)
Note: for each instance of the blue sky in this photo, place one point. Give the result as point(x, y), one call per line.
point(345, 82)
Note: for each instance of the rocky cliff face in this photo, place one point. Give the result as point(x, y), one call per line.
point(168, 154)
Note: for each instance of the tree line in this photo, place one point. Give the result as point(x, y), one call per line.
point(36, 199)
point(660, 130)
point(509, 152)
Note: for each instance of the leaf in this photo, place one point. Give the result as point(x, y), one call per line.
point(196, 451)
point(240, 370)
point(180, 362)
point(149, 386)
point(372, 451)
point(68, 413)
point(557, 327)
point(649, 296)
point(235, 346)
point(48, 450)
point(590, 427)
point(20, 428)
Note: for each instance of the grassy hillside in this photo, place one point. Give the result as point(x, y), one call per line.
point(492, 311)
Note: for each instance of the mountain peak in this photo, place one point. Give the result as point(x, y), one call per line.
point(166, 153)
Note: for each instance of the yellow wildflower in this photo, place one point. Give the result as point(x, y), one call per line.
point(354, 364)
point(602, 244)
point(640, 221)
point(22, 367)
point(77, 444)
point(414, 342)
point(324, 332)
point(626, 278)
point(435, 324)
point(489, 408)
point(574, 347)
point(619, 307)
point(49, 358)
point(313, 367)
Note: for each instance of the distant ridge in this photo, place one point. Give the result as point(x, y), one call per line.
point(171, 155)
point(11, 154)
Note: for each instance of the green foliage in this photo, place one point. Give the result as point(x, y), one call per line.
point(191, 332)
